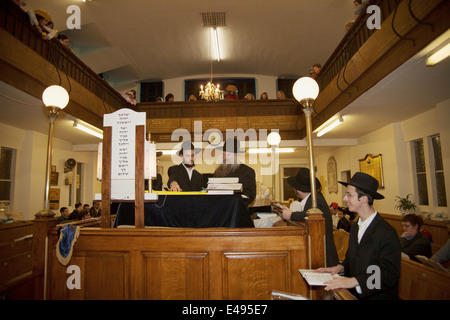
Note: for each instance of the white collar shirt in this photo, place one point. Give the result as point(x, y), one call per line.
point(363, 225)
point(303, 202)
point(189, 171)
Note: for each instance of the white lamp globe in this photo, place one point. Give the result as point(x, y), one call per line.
point(55, 96)
point(273, 139)
point(305, 88)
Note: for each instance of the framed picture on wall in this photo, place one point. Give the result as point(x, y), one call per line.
point(373, 165)
point(54, 178)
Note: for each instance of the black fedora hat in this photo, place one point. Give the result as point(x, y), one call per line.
point(365, 183)
point(302, 181)
point(232, 145)
point(187, 145)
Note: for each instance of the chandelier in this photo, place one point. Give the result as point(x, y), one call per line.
point(211, 92)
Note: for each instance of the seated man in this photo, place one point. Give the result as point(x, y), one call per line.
point(64, 215)
point(231, 167)
point(77, 212)
point(184, 177)
point(413, 242)
point(95, 210)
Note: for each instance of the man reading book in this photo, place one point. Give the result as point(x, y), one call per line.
point(372, 263)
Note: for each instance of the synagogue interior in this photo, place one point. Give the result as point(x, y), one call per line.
point(326, 88)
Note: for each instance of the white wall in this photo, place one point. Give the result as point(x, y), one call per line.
point(31, 157)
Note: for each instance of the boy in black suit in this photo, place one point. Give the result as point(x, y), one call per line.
point(372, 263)
point(184, 177)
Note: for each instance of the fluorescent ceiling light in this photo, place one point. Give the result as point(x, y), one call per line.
point(269, 150)
point(439, 55)
point(88, 130)
point(216, 42)
point(331, 126)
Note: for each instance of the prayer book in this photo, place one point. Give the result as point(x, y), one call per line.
point(316, 279)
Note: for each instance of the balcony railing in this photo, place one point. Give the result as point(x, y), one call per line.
point(16, 22)
point(355, 37)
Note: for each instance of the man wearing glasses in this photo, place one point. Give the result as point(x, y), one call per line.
point(371, 267)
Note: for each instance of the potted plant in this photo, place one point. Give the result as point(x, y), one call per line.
point(405, 205)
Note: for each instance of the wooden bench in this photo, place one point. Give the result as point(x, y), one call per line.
point(420, 282)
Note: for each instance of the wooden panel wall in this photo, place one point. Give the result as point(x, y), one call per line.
point(166, 263)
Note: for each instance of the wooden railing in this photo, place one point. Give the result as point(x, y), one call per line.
point(16, 22)
point(355, 37)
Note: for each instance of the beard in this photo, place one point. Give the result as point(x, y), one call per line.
point(189, 165)
point(225, 170)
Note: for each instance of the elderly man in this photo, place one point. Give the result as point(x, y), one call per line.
point(231, 167)
point(184, 177)
point(372, 263)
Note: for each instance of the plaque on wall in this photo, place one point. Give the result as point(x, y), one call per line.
point(332, 175)
point(373, 165)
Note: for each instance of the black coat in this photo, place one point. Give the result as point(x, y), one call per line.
point(379, 247)
point(247, 177)
point(331, 252)
point(180, 175)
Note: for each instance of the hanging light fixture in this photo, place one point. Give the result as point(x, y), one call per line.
point(211, 92)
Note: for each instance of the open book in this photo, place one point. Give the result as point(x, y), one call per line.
point(316, 279)
point(431, 263)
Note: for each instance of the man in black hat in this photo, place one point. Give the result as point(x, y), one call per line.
point(184, 177)
point(231, 167)
point(372, 263)
point(302, 186)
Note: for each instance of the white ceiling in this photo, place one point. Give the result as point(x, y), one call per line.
point(141, 40)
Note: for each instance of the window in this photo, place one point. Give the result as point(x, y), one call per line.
point(428, 158)
point(6, 176)
point(421, 173)
point(439, 171)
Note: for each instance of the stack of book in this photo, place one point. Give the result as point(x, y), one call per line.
point(229, 185)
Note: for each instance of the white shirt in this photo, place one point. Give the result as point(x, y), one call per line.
point(363, 225)
point(189, 171)
point(303, 202)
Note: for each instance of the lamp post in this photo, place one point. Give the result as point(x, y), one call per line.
point(273, 139)
point(55, 99)
point(305, 91)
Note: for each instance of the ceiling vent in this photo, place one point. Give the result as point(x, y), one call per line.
point(214, 19)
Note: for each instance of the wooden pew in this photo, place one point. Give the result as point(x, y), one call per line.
point(420, 282)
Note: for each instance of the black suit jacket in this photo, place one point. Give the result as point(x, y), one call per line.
point(331, 252)
point(180, 175)
point(247, 177)
point(379, 247)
